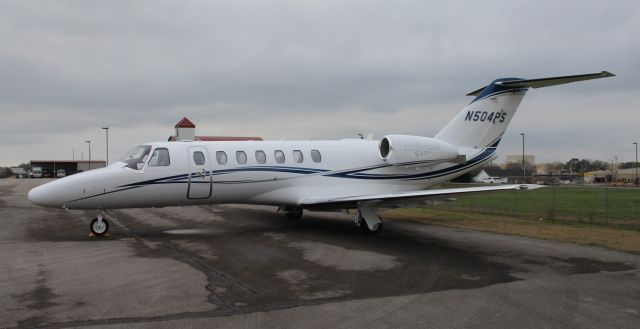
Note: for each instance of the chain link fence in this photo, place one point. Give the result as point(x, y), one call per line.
point(606, 205)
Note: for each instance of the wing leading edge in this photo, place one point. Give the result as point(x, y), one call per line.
point(402, 198)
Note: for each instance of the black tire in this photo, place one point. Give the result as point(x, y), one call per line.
point(97, 229)
point(294, 213)
point(365, 228)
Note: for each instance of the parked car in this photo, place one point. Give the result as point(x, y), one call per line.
point(490, 180)
point(36, 172)
point(60, 173)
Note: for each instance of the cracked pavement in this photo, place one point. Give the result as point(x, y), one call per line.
point(234, 266)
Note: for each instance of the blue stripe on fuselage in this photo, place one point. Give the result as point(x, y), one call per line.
point(357, 174)
point(352, 174)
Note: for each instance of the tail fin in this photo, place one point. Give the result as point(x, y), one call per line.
point(483, 122)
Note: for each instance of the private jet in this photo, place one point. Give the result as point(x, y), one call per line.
point(316, 175)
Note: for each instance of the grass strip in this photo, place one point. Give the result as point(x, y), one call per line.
point(577, 233)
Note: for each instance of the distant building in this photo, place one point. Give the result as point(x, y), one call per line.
point(19, 172)
point(60, 168)
point(622, 176)
point(186, 131)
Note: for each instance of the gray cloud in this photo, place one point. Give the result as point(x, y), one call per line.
point(250, 67)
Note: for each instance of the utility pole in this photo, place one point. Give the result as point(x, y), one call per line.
point(635, 181)
point(89, 142)
point(611, 171)
point(524, 173)
point(106, 129)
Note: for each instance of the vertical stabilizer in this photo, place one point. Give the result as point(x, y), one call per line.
point(483, 122)
point(486, 118)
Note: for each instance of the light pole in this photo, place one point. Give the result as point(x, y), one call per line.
point(106, 129)
point(89, 142)
point(524, 175)
point(635, 181)
point(611, 171)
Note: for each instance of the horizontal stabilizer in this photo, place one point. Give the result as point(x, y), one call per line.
point(546, 82)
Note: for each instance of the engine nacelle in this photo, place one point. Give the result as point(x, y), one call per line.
point(415, 150)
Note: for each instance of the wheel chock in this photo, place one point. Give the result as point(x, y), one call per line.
point(104, 235)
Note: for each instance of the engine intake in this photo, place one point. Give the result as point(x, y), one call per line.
point(409, 150)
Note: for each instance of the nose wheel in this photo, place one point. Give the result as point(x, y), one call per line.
point(99, 226)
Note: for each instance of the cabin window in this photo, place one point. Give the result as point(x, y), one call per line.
point(198, 158)
point(297, 156)
point(221, 157)
point(279, 155)
point(241, 157)
point(159, 158)
point(261, 157)
point(316, 156)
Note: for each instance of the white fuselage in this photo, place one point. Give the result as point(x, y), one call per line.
point(346, 168)
point(297, 175)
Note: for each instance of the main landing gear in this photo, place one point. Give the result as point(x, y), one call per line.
point(293, 212)
point(99, 225)
point(368, 220)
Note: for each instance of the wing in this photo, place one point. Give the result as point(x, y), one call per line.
point(402, 199)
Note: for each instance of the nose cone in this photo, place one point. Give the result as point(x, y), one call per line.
point(45, 195)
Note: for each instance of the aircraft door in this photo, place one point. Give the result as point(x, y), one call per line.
point(200, 179)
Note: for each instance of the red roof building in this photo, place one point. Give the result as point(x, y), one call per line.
point(220, 138)
point(185, 123)
point(185, 130)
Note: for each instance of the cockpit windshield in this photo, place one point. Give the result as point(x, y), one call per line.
point(136, 158)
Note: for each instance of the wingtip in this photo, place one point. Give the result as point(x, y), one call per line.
point(528, 186)
point(607, 74)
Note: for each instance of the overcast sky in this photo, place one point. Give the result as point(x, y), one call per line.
point(310, 70)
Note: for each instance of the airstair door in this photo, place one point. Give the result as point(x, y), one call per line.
point(200, 179)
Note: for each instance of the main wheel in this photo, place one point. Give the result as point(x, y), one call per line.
point(99, 227)
point(365, 228)
point(294, 213)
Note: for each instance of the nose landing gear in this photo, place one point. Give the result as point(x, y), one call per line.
point(99, 226)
